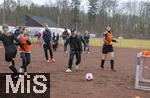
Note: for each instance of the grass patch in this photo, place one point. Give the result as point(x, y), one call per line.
point(124, 43)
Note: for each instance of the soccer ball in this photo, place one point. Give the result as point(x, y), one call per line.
point(89, 76)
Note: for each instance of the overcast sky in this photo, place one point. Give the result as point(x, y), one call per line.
point(83, 2)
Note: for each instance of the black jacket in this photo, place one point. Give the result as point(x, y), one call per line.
point(86, 38)
point(65, 35)
point(9, 45)
point(75, 43)
point(47, 37)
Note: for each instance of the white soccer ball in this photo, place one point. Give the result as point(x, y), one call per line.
point(89, 76)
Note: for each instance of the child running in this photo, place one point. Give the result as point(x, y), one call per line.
point(24, 54)
point(75, 49)
point(7, 39)
point(108, 48)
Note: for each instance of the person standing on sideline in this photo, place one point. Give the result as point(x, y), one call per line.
point(86, 37)
point(47, 38)
point(65, 36)
point(18, 31)
point(108, 47)
point(75, 41)
point(38, 36)
point(25, 55)
point(55, 41)
point(8, 39)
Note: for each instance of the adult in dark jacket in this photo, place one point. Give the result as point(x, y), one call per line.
point(8, 39)
point(75, 41)
point(47, 38)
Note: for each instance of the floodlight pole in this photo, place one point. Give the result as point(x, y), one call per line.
point(4, 12)
point(58, 21)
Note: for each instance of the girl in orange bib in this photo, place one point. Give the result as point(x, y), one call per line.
point(25, 55)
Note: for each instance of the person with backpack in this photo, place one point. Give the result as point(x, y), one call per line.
point(65, 36)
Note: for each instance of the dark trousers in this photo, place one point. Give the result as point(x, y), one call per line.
point(13, 68)
point(46, 49)
point(87, 47)
point(26, 59)
point(55, 46)
point(71, 57)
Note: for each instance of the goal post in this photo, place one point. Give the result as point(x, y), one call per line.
point(139, 79)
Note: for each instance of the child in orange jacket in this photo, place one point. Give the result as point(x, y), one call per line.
point(25, 55)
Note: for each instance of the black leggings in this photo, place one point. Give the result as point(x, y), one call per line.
point(10, 54)
point(55, 46)
point(13, 68)
point(78, 58)
point(46, 49)
point(26, 59)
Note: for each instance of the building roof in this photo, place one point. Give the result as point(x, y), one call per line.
point(42, 20)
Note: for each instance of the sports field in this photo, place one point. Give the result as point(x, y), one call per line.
point(106, 84)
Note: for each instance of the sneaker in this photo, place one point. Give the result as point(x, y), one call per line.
point(102, 67)
point(53, 60)
point(21, 70)
point(88, 52)
point(47, 61)
point(16, 76)
point(113, 70)
point(20, 76)
point(83, 52)
point(68, 70)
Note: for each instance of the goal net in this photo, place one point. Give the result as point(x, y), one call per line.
point(142, 77)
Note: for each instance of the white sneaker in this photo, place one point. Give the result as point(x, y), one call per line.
point(68, 70)
point(88, 52)
point(20, 76)
point(21, 70)
point(16, 76)
point(83, 52)
point(25, 73)
point(47, 61)
point(53, 60)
